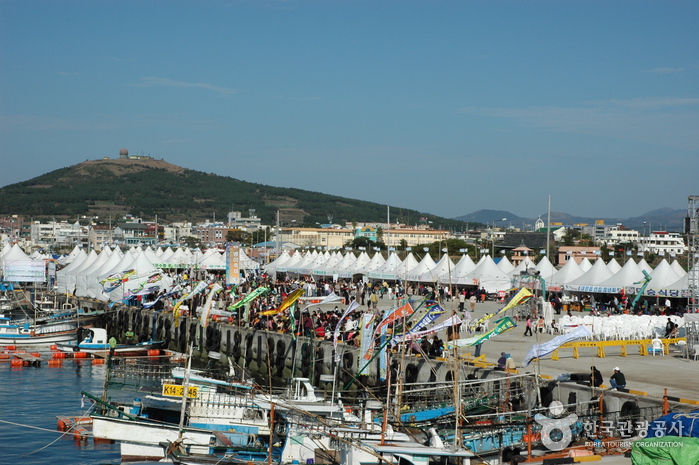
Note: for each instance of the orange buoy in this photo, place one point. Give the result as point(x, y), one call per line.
point(55, 363)
point(79, 354)
point(98, 361)
point(53, 347)
point(59, 355)
point(35, 354)
point(11, 347)
point(15, 362)
point(153, 352)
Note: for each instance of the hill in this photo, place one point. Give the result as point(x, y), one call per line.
point(659, 219)
point(149, 187)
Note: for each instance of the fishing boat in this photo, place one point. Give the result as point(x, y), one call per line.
point(27, 334)
point(96, 342)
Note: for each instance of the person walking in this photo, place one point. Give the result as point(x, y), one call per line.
point(528, 327)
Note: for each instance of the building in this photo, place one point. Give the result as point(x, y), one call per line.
point(337, 237)
point(249, 224)
point(99, 235)
point(662, 243)
point(212, 233)
point(619, 234)
point(577, 253)
point(136, 233)
point(57, 234)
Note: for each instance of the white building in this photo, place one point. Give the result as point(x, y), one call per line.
point(619, 234)
point(663, 243)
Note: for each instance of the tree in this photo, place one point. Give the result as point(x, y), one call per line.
point(191, 241)
point(238, 235)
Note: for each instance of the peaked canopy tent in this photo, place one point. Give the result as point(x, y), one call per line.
point(62, 274)
point(17, 266)
point(488, 276)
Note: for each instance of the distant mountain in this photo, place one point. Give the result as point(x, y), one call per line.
point(660, 219)
point(148, 187)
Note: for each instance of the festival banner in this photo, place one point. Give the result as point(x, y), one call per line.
point(501, 325)
point(350, 308)
point(401, 312)
point(115, 280)
point(207, 306)
point(200, 287)
point(383, 353)
point(518, 299)
point(367, 341)
point(232, 264)
point(248, 298)
point(434, 311)
point(545, 348)
point(288, 302)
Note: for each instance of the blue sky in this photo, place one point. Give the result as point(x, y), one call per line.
point(446, 107)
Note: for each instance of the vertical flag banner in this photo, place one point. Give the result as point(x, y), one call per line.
point(206, 311)
point(350, 308)
point(367, 341)
point(233, 264)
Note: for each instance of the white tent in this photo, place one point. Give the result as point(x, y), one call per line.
point(593, 277)
point(146, 276)
point(488, 276)
point(523, 266)
point(545, 268)
point(626, 276)
point(71, 277)
point(94, 288)
point(271, 268)
point(423, 269)
point(585, 265)
point(613, 265)
point(568, 273)
point(462, 268)
point(82, 276)
point(62, 274)
point(505, 265)
point(17, 266)
point(442, 268)
point(368, 265)
point(388, 269)
point(345, 268)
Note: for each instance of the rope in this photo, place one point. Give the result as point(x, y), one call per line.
point(43, 429)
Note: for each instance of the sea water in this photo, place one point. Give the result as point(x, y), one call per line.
point(30, 400)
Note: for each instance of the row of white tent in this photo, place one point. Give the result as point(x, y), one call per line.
point(85, 273)
point(668, 279)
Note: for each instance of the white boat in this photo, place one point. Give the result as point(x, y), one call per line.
point(27, 334)
point(96, 342)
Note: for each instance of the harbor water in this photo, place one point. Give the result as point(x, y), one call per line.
point(31, 397)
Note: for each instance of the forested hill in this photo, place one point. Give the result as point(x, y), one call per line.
point(148, 187)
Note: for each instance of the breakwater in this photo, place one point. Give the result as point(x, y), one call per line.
point(272, 358)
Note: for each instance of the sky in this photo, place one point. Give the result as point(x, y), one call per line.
point(446, 107)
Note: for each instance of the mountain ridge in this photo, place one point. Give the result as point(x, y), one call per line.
point(148, 187)
point(665, 217)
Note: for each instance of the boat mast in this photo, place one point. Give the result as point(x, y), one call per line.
point(185, 387)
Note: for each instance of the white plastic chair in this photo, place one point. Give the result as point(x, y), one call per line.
point(657, 345)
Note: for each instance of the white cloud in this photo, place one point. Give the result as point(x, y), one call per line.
point(668, 121)
point(664, 70)
point(148, 81)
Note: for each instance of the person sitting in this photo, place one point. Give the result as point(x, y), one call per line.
point(617, 380)
point(502, 360)
point(595, 377)
point(510, 364)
